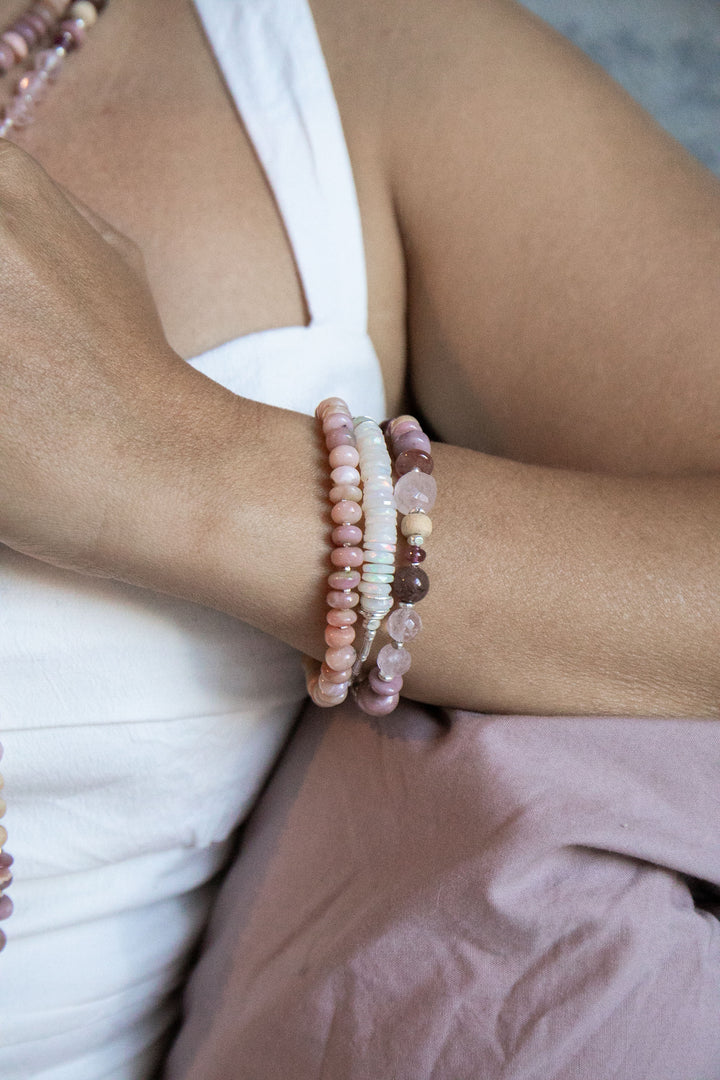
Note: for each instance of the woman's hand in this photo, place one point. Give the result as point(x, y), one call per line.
point(86, 375)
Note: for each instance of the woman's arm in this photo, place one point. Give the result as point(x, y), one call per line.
point(552, 590)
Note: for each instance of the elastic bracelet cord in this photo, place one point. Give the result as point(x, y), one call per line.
point(379, 533)
point(415, 493)
point(6, 861)
point(329, 684)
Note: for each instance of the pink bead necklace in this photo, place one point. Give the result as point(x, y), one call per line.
point(39, 40)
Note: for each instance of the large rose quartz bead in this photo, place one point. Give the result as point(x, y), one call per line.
point(373, 704)
point(347, 534)
point(347, 556)
point(392, 661)
point(404, 624)
point(415, 491)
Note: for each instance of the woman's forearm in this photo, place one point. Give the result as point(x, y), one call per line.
point(551, 591)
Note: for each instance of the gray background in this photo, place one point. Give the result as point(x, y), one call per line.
point(665, 52)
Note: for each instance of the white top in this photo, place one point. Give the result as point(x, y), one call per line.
point(139, 728)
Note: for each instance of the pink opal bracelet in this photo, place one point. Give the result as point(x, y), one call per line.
point(415, 493)
point(329, 685)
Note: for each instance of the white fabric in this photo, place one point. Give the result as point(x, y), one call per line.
point(139, 728)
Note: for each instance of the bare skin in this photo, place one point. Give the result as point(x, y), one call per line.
point(560, 258)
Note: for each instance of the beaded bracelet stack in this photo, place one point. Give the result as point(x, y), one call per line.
point(5, 871)
point(365, 460)
point(58, 26)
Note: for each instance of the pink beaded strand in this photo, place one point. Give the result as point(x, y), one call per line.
point(5, 871)
point(66, 27)
point(329, 685)
point(415, 493)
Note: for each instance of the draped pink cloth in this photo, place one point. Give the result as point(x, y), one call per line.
point(450, 896)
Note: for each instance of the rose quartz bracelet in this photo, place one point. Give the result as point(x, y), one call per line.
point(329, 685)
point(415, 494)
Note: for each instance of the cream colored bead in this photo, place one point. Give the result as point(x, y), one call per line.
point(416, 524)
point(3, 836)
point(84, 10)
point(3, 808)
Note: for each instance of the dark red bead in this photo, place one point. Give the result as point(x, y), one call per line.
point(65, 40)
point(411, 584)
point(416, 555)
point(413, 459)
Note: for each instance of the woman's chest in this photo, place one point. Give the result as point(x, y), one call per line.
point(142, 128)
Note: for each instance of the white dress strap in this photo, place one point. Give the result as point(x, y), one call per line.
point(272, 61)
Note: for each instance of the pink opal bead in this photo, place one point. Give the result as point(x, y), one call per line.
point(26, 31)
point(347, 534)
point(344, 455)
point(342, 600)
point(347, 556)
point(346, 512)
point(375, 705)
point(35, 20)
point(340, 659)
point(45, 13)
point(384, 686)
point(345, 474)
point(340, 437)
point(335, 692)
point(337, 421)
point(316, 694)
point(17, 43)
point(345, 491)
point(7, 57)
point(344, 579)
point(336, 636)
point(335, 617)
point(331, 676)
